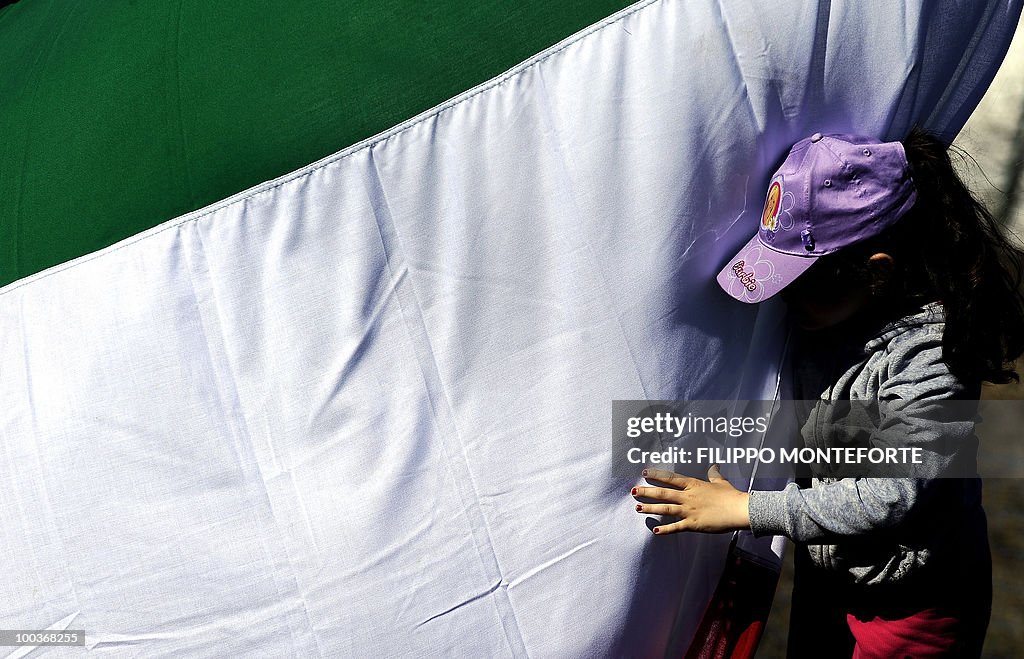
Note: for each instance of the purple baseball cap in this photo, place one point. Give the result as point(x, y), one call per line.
point(832, 191)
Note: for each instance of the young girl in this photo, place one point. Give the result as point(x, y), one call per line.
point(900, 288)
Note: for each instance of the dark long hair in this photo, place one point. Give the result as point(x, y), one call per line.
point(948, 248)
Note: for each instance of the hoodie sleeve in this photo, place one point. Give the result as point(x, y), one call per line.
point(913, 393)
point(829, 511)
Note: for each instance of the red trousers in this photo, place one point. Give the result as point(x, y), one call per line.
point(944, 615)
point(934, 632)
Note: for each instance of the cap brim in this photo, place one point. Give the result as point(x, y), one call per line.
point(758, 272)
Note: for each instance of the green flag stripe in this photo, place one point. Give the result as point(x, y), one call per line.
point(117, 116)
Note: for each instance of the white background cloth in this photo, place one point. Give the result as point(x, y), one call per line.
point(365, 409)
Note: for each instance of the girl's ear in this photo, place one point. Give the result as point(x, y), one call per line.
point(881, 266)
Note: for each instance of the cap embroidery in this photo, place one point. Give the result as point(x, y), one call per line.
point(783, 218)
point(749, 274)
point(745, 278)
point(772, 205)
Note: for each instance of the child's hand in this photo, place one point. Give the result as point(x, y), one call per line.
point(711, 506)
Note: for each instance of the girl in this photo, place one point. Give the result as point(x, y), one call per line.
point(900, 287)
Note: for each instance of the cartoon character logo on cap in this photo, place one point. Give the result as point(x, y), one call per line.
point(777, 216)
point(772, 205)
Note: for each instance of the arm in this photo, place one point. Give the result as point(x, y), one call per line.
point(849, 507)
point(915, 409)
point(916, 384)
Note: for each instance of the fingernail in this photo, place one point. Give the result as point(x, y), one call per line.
point(634, 491)
point(639, 507)
point(656, 531)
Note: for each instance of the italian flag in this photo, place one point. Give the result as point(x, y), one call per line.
point(313, 313)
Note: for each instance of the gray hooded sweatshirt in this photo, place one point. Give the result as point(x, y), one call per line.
point(880, 530)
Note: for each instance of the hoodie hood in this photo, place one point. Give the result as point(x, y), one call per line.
point(821, 358)
point(930, 314)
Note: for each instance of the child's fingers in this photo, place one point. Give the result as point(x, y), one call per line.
point(657, 493)
point(670, 477)
point(675, 527)
point(669, 509)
